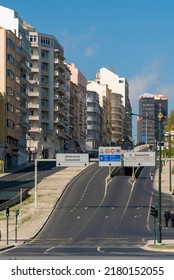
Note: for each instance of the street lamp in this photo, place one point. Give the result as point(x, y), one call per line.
point(159, 237)
point(160, 116)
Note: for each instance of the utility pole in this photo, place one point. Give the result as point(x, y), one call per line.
point(159, 237)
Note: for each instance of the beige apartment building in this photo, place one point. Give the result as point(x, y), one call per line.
point(10, 88)
point(11, 21)
point(78, 116)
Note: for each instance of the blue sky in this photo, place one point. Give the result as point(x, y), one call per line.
point(135, 37)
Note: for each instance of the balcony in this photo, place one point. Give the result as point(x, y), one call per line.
point(61, 77)
point(56, 61)
point(60, 133)
point(35, 70)
point(34, 82)
point(33, 106)
point(61, 66)
point(35, 129)
point(60, 111)
point(34, 44)
point(60, 88)
point(33, 118)
point(33, 94)
point(35, 57)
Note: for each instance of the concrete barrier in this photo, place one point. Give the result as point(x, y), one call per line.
point(15, 200)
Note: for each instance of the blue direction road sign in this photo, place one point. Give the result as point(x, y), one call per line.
point(110, 157)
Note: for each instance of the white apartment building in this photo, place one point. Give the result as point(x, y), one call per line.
point(104, 98)
point(120, 103)
point(49, 96)
point(10, 20)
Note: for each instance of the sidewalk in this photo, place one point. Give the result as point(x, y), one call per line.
point(167, 245)
point(164, 179)
point(31, 220)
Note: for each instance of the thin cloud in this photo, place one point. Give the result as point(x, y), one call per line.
point(79, 41)
point(145, 81)
point(148, 81)
point(89, 51)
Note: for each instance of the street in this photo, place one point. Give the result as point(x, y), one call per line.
point(93, 219)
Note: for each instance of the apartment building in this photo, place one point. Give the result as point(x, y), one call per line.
point(148, 128)
point(104, 98)
point(9, 97)
point(49, 96)
point(78, 87)
point(94, 121)
point(121, 124)
point(11, 21)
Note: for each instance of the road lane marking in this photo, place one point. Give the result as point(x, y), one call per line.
point(99, 250)
point(49, 249)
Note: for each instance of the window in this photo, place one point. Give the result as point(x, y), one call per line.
point(10, 43)
point(10, 74)
point(9, 91)
point(44, 54)
point(10, 58)
point(45, 41)
point(44, 66)
point(10, 107)
point(18, 50)
point(33, 39)
point(10, 123)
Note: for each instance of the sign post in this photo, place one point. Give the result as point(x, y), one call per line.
point(110, 156)
point(63, 160)
point(139, 159)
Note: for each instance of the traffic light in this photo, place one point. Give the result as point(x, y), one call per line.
point(17, 212)
point(154, 212)
point(7, 212)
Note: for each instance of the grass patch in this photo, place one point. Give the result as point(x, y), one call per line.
point(162, 246)
point(173, 170)
point(26, 219)
point(29, 199)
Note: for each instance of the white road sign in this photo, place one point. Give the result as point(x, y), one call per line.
point(139, 159)
point(63, 160)
point(109, 156)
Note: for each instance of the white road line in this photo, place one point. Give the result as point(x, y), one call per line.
point(49, 249)
point(98, 249)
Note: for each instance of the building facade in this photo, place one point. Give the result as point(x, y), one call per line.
point(121, 124)
point(10, 89)
point(78, 116)
point(13, 22)
point(49, 96)
point(148, 126)
point(104, 94)
point(94, 121)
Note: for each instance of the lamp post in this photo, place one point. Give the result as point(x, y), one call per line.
point(160, 116)
point(170, 155)
point(168, 134)
point(146, 126)
point(159, 237)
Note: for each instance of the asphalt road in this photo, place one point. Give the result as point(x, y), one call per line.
point(25, 178)
point(96, 220)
